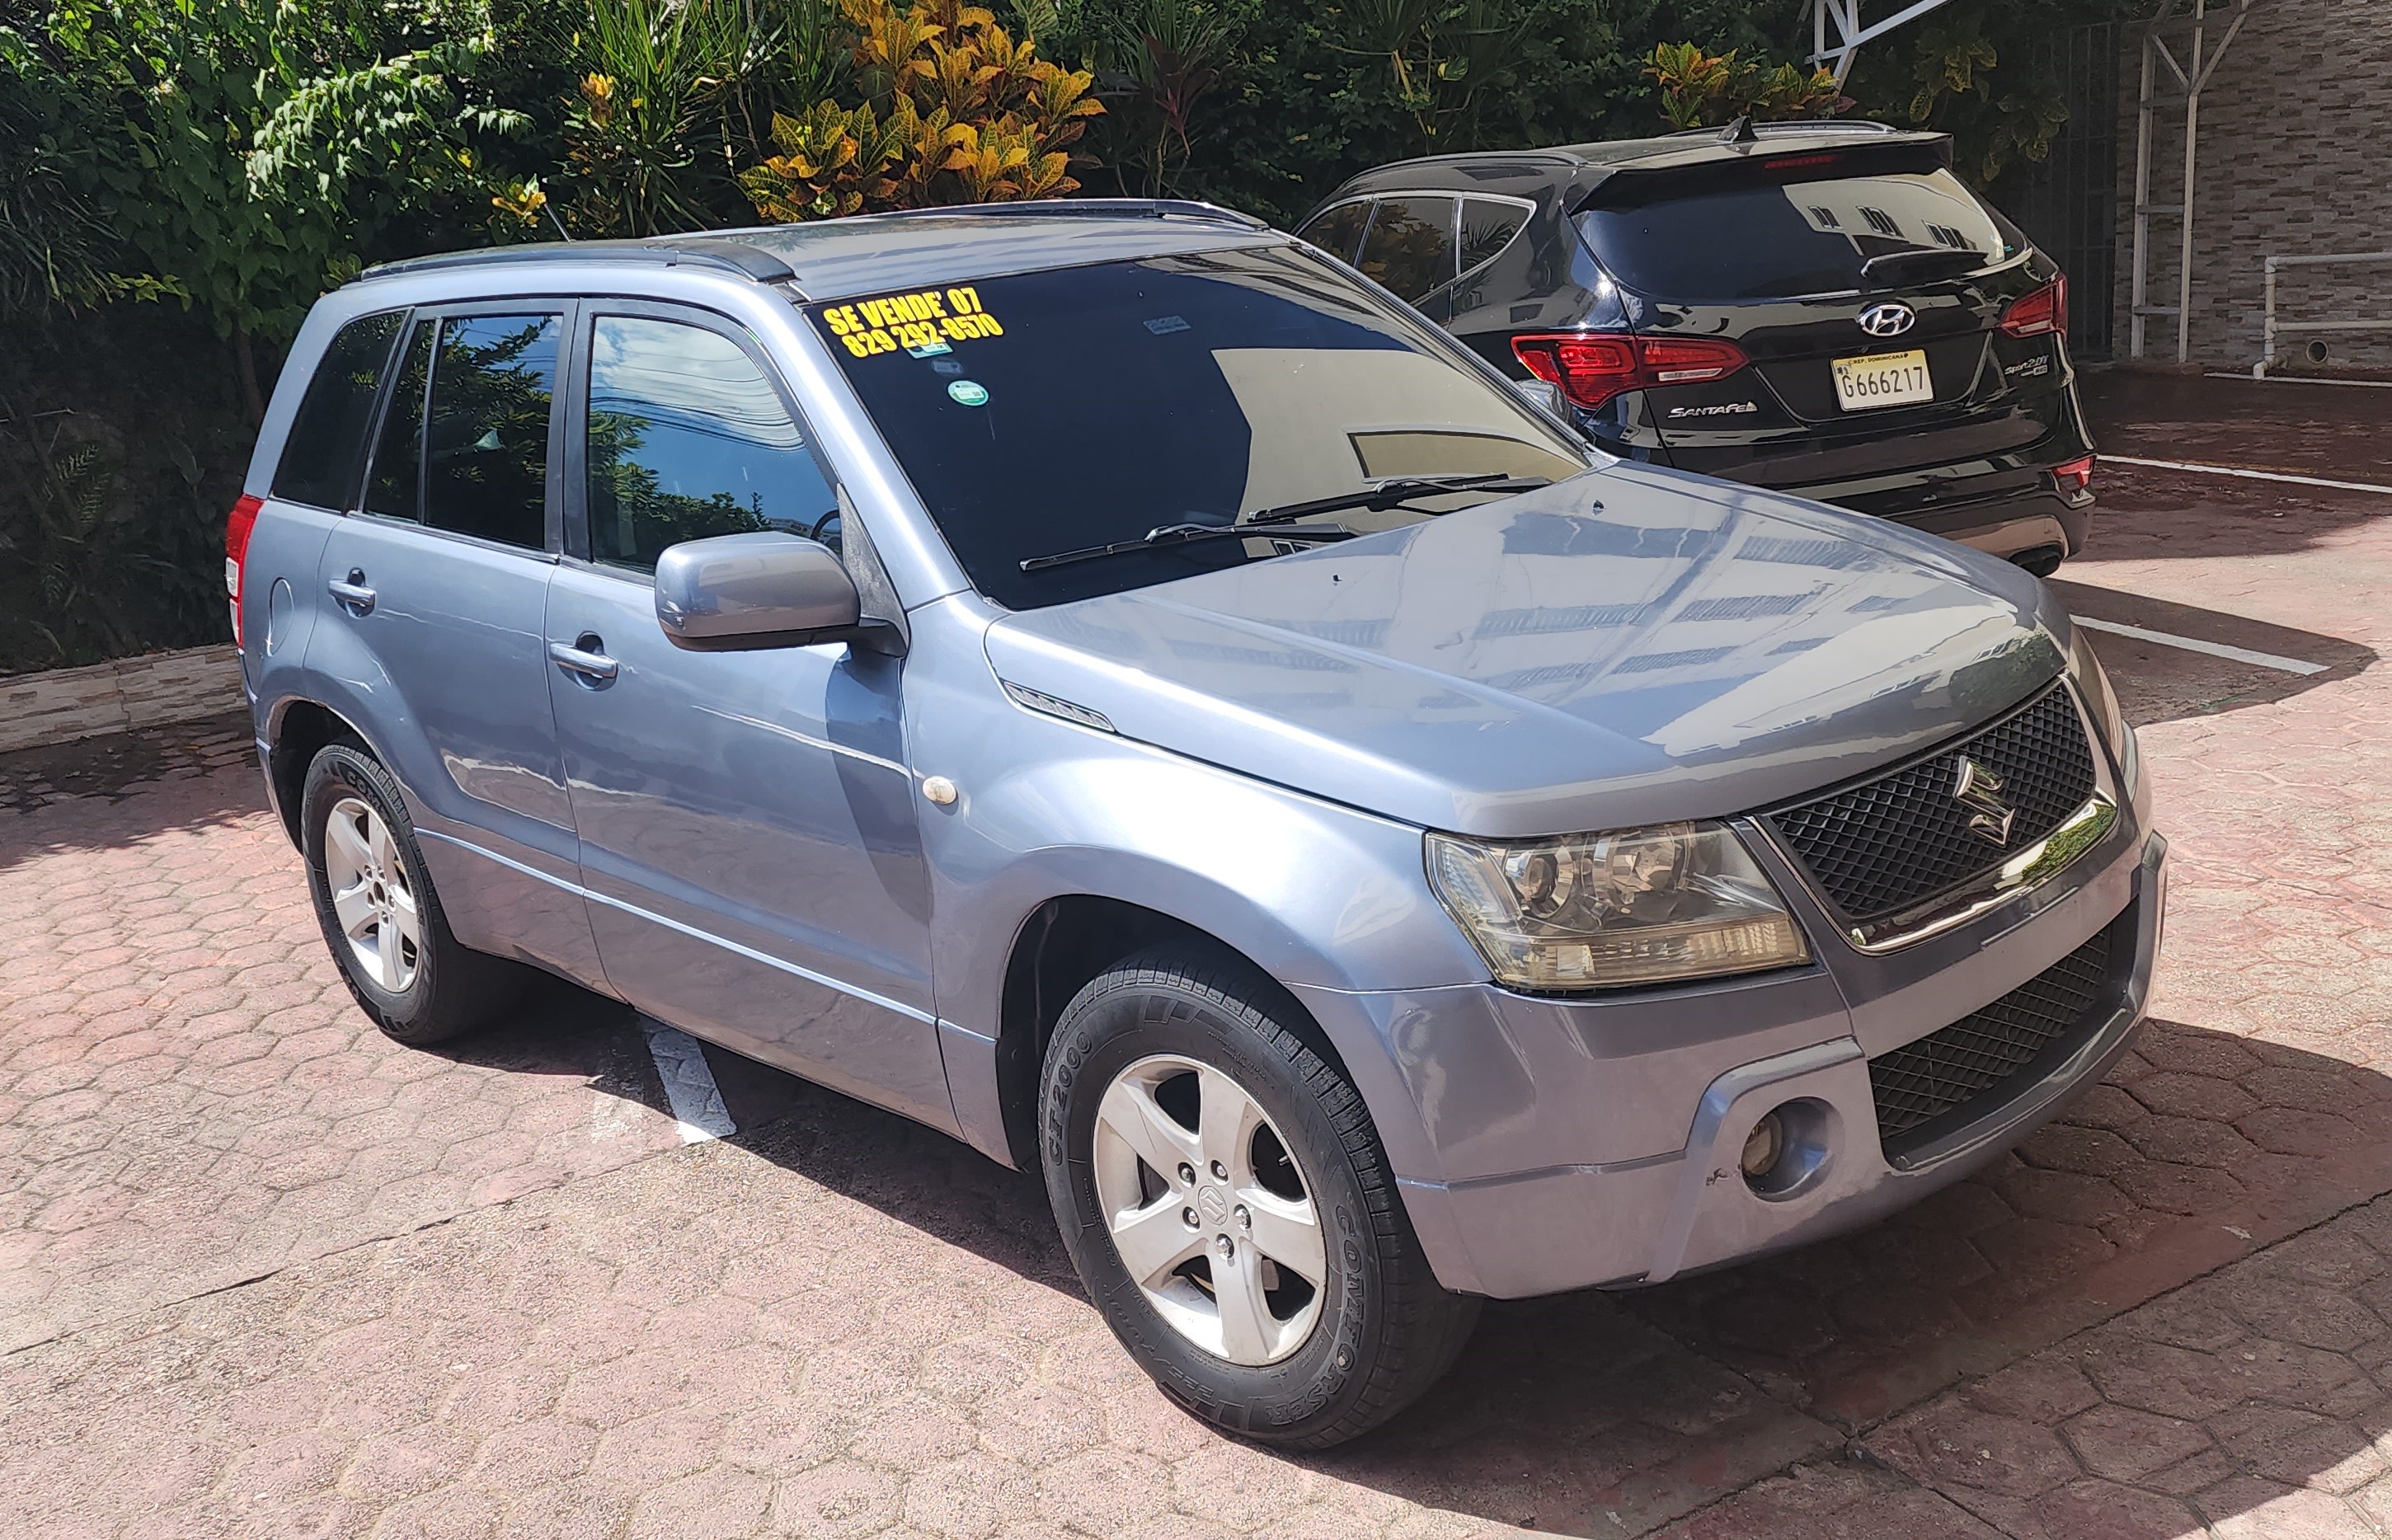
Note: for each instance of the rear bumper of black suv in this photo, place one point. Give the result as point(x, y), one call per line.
point(2019, 514)
point(2009, 502)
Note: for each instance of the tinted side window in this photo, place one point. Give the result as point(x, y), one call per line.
point(1486, 228)
point(688, 439)
point(1410, 247)
point(321, 458)
point(1339, 230)
point(486, 442)
point(395, 488)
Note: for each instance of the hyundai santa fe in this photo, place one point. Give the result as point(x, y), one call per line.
point(1821, 308)
point(1106, 683)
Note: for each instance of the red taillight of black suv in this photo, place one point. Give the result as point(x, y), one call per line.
point(2043, 313)
point(1593, 367)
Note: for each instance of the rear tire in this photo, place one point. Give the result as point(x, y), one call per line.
point(378, 913)
point(1222, 1311)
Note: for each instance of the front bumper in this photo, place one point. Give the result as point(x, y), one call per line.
point(1579, 1088)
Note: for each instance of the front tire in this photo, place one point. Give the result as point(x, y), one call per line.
point(1224, 1196)
point(378, 913)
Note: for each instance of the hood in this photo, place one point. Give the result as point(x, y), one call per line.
point(1630, 646)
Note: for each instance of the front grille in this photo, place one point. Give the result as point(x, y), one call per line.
point(1920, 1081)
point(1887, 844)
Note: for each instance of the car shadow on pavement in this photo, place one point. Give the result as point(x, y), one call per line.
point(2314, 430)
point(2157, 681)
point(2152, 513)
point(68, 796)
point(1608, 1414)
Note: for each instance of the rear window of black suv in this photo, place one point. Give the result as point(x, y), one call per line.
point(1783, 239)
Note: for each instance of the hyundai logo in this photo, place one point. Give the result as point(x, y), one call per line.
point(1890, 320)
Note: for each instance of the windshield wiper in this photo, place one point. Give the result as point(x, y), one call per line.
point(1920, 261)
point(1280, 524)
point(1185, 534)
point(1394, 494)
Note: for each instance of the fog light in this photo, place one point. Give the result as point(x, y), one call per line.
point(1763, 1146)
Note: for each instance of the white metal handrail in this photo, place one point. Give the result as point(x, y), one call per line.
point(2269, 326)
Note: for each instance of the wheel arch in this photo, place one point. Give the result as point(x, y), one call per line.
point(1070, 938)
point(297, 730)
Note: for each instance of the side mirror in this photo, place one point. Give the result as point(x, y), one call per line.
point(734, 593)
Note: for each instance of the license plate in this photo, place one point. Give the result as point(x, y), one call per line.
point(1883, 379)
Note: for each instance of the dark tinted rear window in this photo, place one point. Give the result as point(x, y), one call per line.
point(396, 489)
point(1339, 230)
point(485, 466)
point(1410, 247)
point(326, 448)
point(1781, 241)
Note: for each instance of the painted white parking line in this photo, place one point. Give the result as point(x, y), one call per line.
point(2215, 649)
point(695, 1100)
point(2249, 475)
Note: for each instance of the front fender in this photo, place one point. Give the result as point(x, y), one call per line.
point(1320, 896)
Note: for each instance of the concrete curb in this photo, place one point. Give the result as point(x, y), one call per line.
point(64, 705)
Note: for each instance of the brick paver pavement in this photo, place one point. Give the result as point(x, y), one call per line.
point(263, 1273)
point(188, 1097)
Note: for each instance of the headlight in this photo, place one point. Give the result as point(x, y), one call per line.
point(1642, 906)
point(2101, 704)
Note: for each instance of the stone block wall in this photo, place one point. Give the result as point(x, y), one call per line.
point(64, 705)
point(2295, 159)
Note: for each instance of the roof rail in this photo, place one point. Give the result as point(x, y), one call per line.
point(701, 249)
point(1792, 125)
point(1089, 207)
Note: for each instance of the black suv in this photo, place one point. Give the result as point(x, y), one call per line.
point(1820, 309)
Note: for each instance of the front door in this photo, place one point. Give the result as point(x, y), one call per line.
point(746, 819)
point(434, 594)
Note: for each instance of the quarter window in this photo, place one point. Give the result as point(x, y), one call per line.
point(1410, 247)
point(688, 439)
point(1486, 228)
point(321, 458)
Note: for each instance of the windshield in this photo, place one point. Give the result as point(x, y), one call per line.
point(1055, 411)
point(1785, 241)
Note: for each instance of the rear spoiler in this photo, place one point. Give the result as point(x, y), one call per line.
point(1772, 161)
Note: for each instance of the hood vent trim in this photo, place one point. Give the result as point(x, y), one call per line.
point(1049, 706)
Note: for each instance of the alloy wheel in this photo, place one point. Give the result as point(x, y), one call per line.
point(371, 897)
point(1209, 1211)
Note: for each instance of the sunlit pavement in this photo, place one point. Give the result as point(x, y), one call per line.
point(263, 1273)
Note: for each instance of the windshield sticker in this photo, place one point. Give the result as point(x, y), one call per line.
point(1162, 326)
point(968, 393)
point(921, 321)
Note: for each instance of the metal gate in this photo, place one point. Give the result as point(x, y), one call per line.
point(2067, 202)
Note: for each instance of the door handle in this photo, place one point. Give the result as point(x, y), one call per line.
point(584, 658)
point(352, 593)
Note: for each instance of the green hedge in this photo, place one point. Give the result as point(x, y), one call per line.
point(180, 178)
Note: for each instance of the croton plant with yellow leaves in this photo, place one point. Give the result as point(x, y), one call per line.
point(954, 111)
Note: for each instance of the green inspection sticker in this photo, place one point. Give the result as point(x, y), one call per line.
point(968, 393)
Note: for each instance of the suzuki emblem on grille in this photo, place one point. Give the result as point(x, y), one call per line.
point(1889, 319)
point(1980, 791)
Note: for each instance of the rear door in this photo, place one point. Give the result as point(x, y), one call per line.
point(746, 819)
point(430, 598)
point(1768, 254)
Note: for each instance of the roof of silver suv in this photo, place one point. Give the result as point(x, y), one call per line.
point(842, 257)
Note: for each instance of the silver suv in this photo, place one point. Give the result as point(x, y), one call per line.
point(1106, 681)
